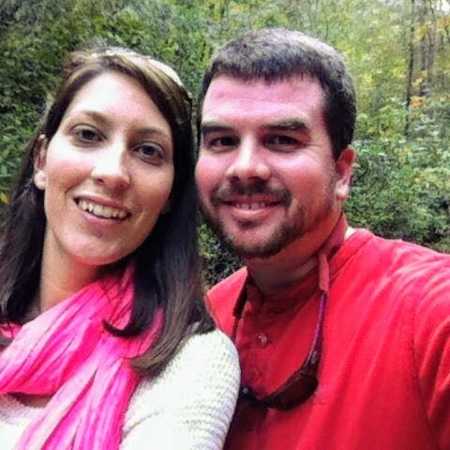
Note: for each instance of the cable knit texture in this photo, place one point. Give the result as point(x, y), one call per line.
point(187, 407)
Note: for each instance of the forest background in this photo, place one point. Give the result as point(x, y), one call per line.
point(397, 50)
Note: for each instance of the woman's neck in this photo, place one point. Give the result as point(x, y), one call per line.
point(60, 278)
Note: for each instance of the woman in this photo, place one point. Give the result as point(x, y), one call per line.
point(106, 343)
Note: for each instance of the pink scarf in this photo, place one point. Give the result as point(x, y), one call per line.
point(67, 354)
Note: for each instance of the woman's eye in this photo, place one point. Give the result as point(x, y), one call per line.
point(152, 153)
point(87, 134)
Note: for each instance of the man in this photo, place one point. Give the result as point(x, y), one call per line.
point(342, 335)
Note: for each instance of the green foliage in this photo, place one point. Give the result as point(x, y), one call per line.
point(401, 185)
point(218, 260)
point(402, 188)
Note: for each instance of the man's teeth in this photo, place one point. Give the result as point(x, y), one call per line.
point(102, 211)
point(255, 205)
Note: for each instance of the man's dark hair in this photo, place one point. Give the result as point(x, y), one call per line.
point(277, 54)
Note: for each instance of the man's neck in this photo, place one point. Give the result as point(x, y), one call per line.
point(290, 265)
point(272, 275)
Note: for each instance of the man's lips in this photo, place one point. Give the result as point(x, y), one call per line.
point(251, 204)
point(246, 209)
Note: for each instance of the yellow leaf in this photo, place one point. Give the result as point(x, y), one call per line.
point(4, 198)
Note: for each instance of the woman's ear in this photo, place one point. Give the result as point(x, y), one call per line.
point(40, 156)
point(166, 207)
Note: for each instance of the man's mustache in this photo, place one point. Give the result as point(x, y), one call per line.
point(228, 192)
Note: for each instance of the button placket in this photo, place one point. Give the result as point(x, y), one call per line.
point(262, 340)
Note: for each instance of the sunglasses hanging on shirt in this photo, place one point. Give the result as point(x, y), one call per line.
point(302, 384)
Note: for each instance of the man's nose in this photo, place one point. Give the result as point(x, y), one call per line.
point(110, 167)
point(249, 163)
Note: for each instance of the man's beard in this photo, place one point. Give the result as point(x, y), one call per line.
point(281, 237)
point(287, 231)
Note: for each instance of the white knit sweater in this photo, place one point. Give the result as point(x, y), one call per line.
point(187, 407)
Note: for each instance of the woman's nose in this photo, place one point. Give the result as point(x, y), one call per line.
point(111, 169)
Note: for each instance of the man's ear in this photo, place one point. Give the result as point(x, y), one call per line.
point(40, 157)
point(344, 170)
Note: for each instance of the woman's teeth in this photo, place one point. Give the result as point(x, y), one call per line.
point(105, 212)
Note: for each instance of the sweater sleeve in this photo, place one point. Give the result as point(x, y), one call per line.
point(189, 406)
point(432, 354)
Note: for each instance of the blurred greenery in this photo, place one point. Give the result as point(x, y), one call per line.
point(397, 50)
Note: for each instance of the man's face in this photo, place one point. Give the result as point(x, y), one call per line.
point(266, 173)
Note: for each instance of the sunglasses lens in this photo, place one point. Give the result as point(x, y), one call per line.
point(295, 393)
point(289, 396)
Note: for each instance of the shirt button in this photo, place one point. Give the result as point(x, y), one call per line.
point(262, 340)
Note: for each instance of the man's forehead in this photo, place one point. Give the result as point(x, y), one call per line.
point(221, 84)
point(297, 99)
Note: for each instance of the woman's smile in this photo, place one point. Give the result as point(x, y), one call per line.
point(101, 210)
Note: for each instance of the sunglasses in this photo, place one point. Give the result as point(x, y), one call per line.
point(302, 383)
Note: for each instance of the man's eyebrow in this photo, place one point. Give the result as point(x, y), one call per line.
point(294, 124)
point(288, 125)
point(214, 127)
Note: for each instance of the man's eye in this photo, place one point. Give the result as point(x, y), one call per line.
point(221, 143)
point(87, 134)
point(281, 140)
point(151, 153)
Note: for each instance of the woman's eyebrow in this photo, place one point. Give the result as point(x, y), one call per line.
point(103, 120)
point(95, 116)
point(152, 131)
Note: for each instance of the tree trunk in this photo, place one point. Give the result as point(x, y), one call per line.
point(409, 77)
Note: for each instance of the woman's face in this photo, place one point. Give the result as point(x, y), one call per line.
point(106, 174)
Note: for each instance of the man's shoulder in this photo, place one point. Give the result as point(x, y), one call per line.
point(400, 266)
point(393, 253)
point(222, 298)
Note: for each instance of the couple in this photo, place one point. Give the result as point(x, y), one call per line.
point(342, 336)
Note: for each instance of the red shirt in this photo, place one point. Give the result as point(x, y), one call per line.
point(384, 376)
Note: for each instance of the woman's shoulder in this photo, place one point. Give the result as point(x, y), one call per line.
point(204, 363)
point(210, 353)
point(212, 348)
point(196, 391)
